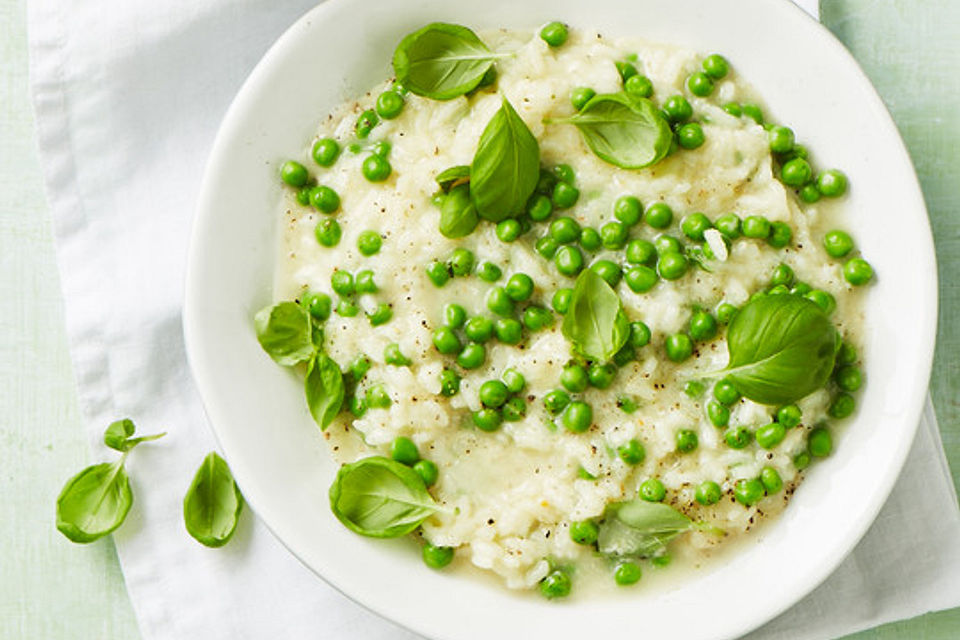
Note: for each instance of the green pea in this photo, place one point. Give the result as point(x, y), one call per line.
point(342, 283)
point(729, 225)
point(389, 104)
point(608, 270)
point(446, 341)
point(771, 480)
point(726, 392)
point(703, 326)
point(687, 440)
point(708, 492)
point(376, 168)
point(781, 139)
point(601, 375)
point(508, 330)
point(756, 227)
point(564, 173)
point(364, 282)
point(690, 135)
point(565, 195)
point(303, 195)
point(640, 279)
point(726, 312)
point(381, 314)
point(328, 232)
point(436, 557)
point(369, 242)
point(564, 230)
point(404, 451)
point(508, 230)
point(832, 183)
point(546, 182)
point(748, 492)
point(627, 573)
point(782, 274)
point(640, 251)
point(857, 271)
point(733, 109)
point(487, 419)
point(801, 461)
point(561, 300)
point(438, 273)
point(753, 112)
point(672, 265)
point(693, 388)
point(694, 225)
point(318, 304)
point(555, 401)
point(427, 470)
point(584, 532)
point(737, 437)
point(715, 66)
point(639, 86)
point(577, 416)
point(820, 443)
point(789, 416)
point(580, 96)
point(514, 380)
point(780, 235)
point(770, 435)
point(347, 308)
point(536, 318)
point(365, 123)
point(628, 210)
point(493, 394)
point(325, 151)
point(478, 328)
point(614, 235)
point(555, 585)
point(639, 334)
point(652, 490)
point(847, 353)
point(514, 409)
point(324, 199)
point(393, 356)
point(679, 347)
point(842, 406)
point(822, 299)
point(569, 260)
point(574, 378)
point(461, 262)
point(539, 208)
point(472, 356)
point(849, 378)
point(554, 34)
point(632, 452)
point(809, 193)
point(499, 301)
point(677, 109)
point(377, 397)
point(488, 272)
point(718, 414)
point(294, 174)
point(837, 243)
point(547, 247)
point(796, 172)
point(659, 215)
point(519, 287)
point(449, 383)
point(626, 70)
point(454, 315)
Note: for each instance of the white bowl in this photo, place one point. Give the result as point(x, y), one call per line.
point(341, 48)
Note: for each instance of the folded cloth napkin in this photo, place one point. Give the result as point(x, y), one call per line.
point(128, 97)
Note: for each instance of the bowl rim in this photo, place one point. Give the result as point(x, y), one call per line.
point(201, 370)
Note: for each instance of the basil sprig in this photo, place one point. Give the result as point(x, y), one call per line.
point(452, 177)
point(380, 498)
point(505, 167)
point(458, 215)
point(641, 529)
point(213, 503)
point(782, 348)
point(96, 501)
point(287, 332)
point(595, 322)
point(621, 130)
point(442, 61)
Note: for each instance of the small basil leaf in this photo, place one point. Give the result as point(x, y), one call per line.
point(213, 503)
point(506, 166)
point(782, 348)
point(380, 498)
point(94, 502)
point(627, 132)
point(595, 322)
point(324, 389)
point(285, 333)
point(117, 433)
point(639, 528)
point(441, 61)
point(458, 216)
point(452, 177)
point(698, 256)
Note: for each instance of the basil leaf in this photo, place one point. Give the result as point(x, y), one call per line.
point(117, 436)
point(640, 529)
point(506, 166)
point(782, 348)
point(452, 177)
point(380, 498)
point(627, 132)
point(458, 216)
point(284, 333)
point(324, 389)
point(595, 322)
point(441, 61)
point(94, 502)
point(213, 503)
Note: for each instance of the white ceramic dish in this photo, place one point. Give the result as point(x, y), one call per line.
point(337, 51)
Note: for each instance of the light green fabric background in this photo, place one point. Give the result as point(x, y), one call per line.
point(53, 590)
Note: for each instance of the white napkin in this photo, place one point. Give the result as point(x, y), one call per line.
point(128, 97)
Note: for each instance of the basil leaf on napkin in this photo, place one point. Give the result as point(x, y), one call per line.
point(380, 498)
point(595, 322)
point(285, 333)
point(117, 436)
point(782, 348)
point(213, 503)
point(442, 61)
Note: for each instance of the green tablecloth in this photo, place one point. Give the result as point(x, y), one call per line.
point(52, 589)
